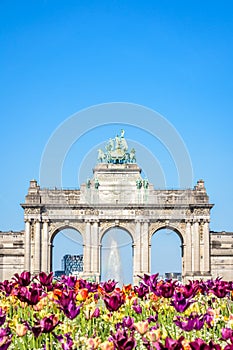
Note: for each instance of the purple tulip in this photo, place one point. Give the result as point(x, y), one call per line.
point(31, 295)
point(220, 290)
point(173, 344)
point(190, 323)
point(24, 279)
point(46, 280)
point(5, 338)
point(90, 286)
point(141, 290)
point(151, 282)
point(123, 341)
point(72, 310)
point(128, 322)
point(67, 343)
point(227, 333)
point(208, 319)
point(152, 318)
point(7, 287)
point(68, 281)
point(108, 286)
point(65, 298)
point(67, 302)
point(190, 290)
point(96, 313)
point(199, 344)
point(228, 347)
point(49, 323)
point(113, 302)
point(180, 303)
point(166, 289)
point(2, 317)
point(137, 308)
point(36, 329)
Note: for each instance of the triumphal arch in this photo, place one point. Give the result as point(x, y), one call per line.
point(118, 196)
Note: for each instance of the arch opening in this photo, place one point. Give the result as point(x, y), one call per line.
point(117, 256)
point(167, 253)
point(67, 252)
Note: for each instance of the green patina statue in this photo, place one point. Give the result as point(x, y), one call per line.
point(117, 151)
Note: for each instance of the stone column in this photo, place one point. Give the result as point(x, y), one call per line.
point(37, 257)
point(95, 248)
point(27, 246)
point(188, 249)
point(50, 252)
point(137, 250)
point(196, 238)
point(206, 241)
point(44, 262)
point(145, 247)
point(87, 249)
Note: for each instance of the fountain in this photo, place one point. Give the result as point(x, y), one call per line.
point(113, 268)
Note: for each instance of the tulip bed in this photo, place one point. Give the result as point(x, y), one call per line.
point(37, 312)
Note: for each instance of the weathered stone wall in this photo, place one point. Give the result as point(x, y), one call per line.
point(11, 253)
point(221, 254)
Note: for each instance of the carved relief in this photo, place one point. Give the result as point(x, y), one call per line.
point(201, 211)
point(91, 212)
point(32, 210)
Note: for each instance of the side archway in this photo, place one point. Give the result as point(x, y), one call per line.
point(116, 253)
point(166, 257)
point(66, 251)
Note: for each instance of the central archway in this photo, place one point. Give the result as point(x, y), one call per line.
point(167, 253)
point(67, 252)
point(116, 256)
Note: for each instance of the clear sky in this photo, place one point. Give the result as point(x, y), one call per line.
point(58, 57)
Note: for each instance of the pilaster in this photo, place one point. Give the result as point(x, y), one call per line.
point(137, 249)
point(145, 247)
point(87, 249)
point(206, 240)
point(196, 241)
point(45, 252)
point(27, 246)
point(188, 249)
point(37, 252)
point(95, 253)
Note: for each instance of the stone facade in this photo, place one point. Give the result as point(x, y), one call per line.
point(11, 253)
point(221, 254)
point(117, 196)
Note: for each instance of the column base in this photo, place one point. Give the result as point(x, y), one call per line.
point(196, 275)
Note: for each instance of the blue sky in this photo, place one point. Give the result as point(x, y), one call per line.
point(58, 57)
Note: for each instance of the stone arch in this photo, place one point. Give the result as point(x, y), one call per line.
point(56, 229)
point(129, 228)
point(116, 253)
point(178, 230)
